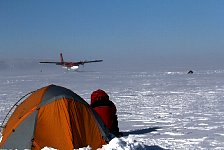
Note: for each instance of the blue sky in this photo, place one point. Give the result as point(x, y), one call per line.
point(138, 32)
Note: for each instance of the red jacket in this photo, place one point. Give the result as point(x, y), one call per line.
point(106, 110)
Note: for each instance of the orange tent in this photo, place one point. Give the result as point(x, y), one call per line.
point(56, 117)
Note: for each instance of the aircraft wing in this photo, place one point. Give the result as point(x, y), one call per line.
point(50, 62)
point(84, 62)
point(70, 63)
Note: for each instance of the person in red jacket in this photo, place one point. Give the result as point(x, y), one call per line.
point(106, 109)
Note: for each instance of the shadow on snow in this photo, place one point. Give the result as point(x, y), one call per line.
point(141, 131)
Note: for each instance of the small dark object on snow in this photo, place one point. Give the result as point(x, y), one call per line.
point(190, 72)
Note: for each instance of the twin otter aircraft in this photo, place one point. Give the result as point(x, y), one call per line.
point(69, 65)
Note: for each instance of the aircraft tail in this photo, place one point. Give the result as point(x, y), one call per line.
point(61, 57)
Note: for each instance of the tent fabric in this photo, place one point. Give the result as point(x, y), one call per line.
point(56, 117)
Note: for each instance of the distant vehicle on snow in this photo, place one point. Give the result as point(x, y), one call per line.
point(190, 72)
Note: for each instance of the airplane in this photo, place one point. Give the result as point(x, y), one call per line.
point(69, 65)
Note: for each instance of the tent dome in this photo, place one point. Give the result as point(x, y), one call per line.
point(56, 117)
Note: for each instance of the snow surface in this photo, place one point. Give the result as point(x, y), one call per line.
point(160, 109)
point(115, 144)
